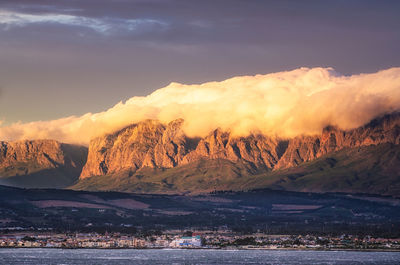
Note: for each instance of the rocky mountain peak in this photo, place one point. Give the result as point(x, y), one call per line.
point(46, 153)
point(29, 160)
point(151, 144)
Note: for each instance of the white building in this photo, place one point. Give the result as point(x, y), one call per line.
point(187, 242)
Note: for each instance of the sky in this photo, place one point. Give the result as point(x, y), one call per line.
point(70, 57)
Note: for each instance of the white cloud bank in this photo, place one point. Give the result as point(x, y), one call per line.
point(302, 101)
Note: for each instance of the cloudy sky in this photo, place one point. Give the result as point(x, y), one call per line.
point(70, 57)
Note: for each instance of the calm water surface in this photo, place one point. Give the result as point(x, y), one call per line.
point(131, 256)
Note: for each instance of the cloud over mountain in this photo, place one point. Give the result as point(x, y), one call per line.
point(302, 101)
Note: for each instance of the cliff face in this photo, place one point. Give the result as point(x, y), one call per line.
point(150, 144)
point(40, 163)
point(154, 145)
point(379, 131)
point(147, 144)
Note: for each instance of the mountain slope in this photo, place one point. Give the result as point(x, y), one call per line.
point(40, 163)
point(153, 157)
point(367, 169)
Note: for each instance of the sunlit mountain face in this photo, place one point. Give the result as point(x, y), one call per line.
point(152, 157)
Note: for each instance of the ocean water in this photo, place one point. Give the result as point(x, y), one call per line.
point(175, 257)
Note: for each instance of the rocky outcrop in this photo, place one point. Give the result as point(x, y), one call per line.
point(40, 160)
point(151, 144)
point(258, 151)
point(301, 149)
point(147, 144)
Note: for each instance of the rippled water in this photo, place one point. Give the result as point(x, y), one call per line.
point(131, 256)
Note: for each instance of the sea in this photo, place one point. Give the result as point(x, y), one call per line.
point(10, 256)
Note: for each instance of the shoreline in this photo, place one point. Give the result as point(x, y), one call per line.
point(218, 249)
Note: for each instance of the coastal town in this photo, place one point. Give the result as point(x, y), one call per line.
point(193, 240)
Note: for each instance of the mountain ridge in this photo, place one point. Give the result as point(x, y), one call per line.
point(40, 163)
point(152, 157)
point(155, 148)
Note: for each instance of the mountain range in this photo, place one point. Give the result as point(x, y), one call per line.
point(152, 157)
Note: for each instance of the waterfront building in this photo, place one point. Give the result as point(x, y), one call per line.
point(188, 241)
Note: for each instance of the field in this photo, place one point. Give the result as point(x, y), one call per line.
point(266, 210)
